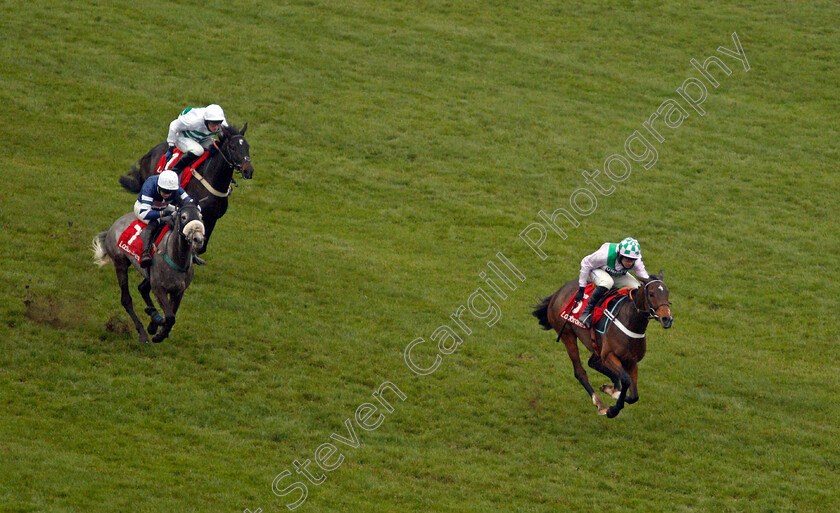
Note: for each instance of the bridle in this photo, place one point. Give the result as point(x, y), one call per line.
point(227, 158)
point(650, 311)
point(178, 227)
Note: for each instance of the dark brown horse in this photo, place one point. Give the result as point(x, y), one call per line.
point(617, 352)
point(212, 187)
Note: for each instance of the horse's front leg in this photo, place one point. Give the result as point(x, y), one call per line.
point(175, 301)
point(633, 393)
point(209, 224)
point(168, 312)
point(125, 299)
point(145, 289)
point(570, 341)
point(615, 365)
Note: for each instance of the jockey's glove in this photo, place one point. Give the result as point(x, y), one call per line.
point(579, 295)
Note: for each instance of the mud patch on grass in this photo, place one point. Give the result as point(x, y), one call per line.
point(46, 310)
point(117, 325)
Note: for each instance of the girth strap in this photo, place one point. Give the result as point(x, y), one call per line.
point(621, 326)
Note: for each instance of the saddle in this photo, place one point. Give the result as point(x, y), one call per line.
point(604, 314)
point(610, 302)
point(187, 173)
point(572, 311)
point(600, 322)
point(131, 243)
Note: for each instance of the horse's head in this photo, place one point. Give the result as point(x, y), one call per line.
point(656, 300)
point(188, 224)
point(236, 151)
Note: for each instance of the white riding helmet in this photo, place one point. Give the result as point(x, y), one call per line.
point(214, 114)
point(168, 181)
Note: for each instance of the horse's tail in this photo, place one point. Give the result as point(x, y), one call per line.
point(133, 181)
point(541, 313)
point(100, 256)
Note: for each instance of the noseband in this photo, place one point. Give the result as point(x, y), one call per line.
point(178, 226)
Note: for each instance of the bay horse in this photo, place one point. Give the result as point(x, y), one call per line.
point(168, 277)
point(617, 352)
point(211, 184)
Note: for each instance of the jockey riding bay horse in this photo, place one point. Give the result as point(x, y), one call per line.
point(616, 343)
point(210, 184)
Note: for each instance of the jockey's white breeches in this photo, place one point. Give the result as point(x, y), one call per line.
point(141, 210)
point(602, 278)
point(185, 144)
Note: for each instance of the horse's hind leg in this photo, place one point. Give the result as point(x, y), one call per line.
point(613, 390)
point(125, 299)
point(570, 341)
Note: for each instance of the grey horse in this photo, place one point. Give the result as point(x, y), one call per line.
point(168, 277)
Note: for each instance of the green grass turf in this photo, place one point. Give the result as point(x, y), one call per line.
point(397, 147)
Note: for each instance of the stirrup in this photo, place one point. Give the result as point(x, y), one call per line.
point(586, 317)
point(146, 261)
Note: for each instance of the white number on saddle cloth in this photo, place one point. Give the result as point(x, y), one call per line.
point(166, 164)
point(576, 309)
point(137, 228)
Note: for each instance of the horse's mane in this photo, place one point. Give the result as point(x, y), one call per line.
point(230, 130)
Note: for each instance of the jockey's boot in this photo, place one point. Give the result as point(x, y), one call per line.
point(586, 315)
point(185, 161)
point(146, 237)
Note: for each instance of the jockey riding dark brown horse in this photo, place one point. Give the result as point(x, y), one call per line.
point(617, 352)
point(211, 184)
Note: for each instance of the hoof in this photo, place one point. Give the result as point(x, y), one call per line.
point(612, 412)
point(152, 328)
point(602, 411)
point(611, 391)
point(160, 337)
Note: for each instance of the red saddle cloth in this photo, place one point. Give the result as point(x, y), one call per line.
point(572, 311)
point(186, 174)
point(131, 243)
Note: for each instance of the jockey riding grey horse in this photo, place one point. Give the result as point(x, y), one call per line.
point(171, 271)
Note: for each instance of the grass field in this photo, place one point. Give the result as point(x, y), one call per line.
point(398, 146)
